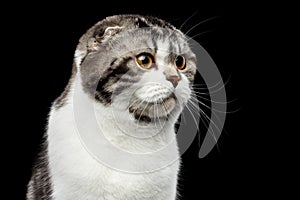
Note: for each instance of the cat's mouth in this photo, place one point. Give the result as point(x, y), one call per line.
point(150, 111)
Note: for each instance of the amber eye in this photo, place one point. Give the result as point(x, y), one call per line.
point(180, 62)
point(145, 60)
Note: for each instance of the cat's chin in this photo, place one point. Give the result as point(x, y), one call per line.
point(148, 112)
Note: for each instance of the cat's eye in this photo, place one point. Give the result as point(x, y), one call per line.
point(145, 60)
point(180, 62)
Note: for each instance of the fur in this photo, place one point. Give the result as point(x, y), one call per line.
point(106, 77)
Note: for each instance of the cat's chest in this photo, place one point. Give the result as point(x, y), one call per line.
point(75, 174)
point(105, 183)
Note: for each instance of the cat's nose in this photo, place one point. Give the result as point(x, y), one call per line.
point(174, 80)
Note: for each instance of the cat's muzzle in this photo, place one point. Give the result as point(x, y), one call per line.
point(152, 111)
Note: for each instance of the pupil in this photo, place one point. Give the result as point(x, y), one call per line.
point(179, 61)
point(145, 60)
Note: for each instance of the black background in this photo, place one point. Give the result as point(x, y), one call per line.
point(42, 39)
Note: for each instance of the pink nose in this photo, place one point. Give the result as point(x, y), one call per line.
point(174, 80)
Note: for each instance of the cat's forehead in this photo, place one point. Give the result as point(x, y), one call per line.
point(142, 31)
point(161, 40)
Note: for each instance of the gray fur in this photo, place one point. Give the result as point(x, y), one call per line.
point(39, 186)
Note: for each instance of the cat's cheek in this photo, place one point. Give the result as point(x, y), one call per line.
point(183, 91)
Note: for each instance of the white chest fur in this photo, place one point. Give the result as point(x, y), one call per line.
point(76, 175)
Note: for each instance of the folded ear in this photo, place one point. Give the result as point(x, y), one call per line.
point(92, 40)
point(108, 33)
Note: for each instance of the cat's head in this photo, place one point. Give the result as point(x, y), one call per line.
point(142, 66)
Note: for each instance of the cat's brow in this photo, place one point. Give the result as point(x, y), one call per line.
point(150, 50)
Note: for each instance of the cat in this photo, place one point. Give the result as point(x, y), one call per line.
point(137, 72)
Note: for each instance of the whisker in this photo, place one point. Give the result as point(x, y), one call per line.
point(142, 110)
point(196, 109)
point(206, 123)
point(202, 93)
point(222, 86)
point(199, 84)
point(160, 125)
point(198, 24)
point(200, 102)
point(206, 116)
point(184, 121)
point(199, 34)
point(166, 113)
point(154, 106)
point(217, 102)
point(213, 92)
point(138, 104)
point(195, 121)
point(217, 117)
point(135, 101)
point(188, 20)
point(142, 113)
point(197, 95)
point(208, 120)
point(200, 88)
point(213, 86)
point(210, 108)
